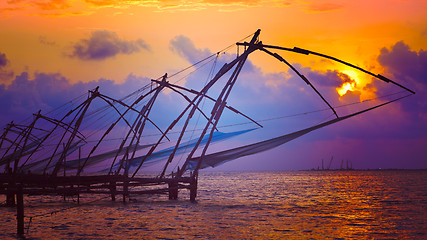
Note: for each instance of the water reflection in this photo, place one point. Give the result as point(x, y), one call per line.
point(254, 205)
point(346, 204)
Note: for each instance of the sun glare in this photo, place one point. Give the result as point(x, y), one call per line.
point(344, 88)
point(352, 74)
point(348, 85)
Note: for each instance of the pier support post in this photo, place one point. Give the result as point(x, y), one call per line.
point(193, 190)
point(125, 189)
point(173, 190)
point(10, 196)
point(10, 192)
point(78, 194)
point(113, 190)
point(20, 210)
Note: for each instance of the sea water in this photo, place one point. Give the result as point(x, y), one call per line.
point(243, 205)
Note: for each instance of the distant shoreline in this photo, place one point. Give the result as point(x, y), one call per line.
point(320, 170)
point(368, 169)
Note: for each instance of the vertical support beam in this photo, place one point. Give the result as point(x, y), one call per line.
point(173, 190)
point(94, 94)
point(125, 187)
point(78, 194)
point(10, 194)
point(20, 210)
point(10, 197)
point(193, 189)
point(78, 178)
point(220, 105)
point(113, 190)
point(125, 190)
point(65, 163)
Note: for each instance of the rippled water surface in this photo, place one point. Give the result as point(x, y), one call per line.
point(244, 205)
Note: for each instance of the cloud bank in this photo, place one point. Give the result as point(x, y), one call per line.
point(185, 48)
point(55, 8)
point(5, 75)
point(409, 67)
point(3, 60)
point(45, 91)
point(405, 64)
point(105, 44)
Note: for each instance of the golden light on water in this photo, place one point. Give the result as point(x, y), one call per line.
point(262, 205)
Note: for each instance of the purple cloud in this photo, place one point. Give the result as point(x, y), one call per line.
point(105, 44)
point(330, 78)
point(405, 65)
point(3, 60)
point(185, 48)
point(5, 75)
point(43, 40)
point(25, 96)
point(409, 67)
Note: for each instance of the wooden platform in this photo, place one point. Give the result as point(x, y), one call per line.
point(34, 184)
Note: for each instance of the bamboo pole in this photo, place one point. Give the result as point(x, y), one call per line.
point(113, 190)
point(193, 189)
point(173, 190)
point(10, 194)
point(20, 210)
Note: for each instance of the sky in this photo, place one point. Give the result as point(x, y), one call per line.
point(54, 50)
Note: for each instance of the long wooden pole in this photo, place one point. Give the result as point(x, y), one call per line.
point(20, 210)
point(220, 104)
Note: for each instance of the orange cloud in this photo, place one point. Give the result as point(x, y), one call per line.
point(67, 6)
point(324, 7)
point(14, 1)
point(227, 2)
point(40, 7)
point(51, 4)
point(101, 2)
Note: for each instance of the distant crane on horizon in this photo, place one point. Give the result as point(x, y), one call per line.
point(330, 163)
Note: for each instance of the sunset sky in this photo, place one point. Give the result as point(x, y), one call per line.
point(54, 50)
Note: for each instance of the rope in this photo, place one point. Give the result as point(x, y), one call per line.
point(264, 120)
point(69, 102)
point(211, 72)
point(177, 81)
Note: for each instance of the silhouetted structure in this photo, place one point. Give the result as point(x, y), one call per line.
point(70, 154)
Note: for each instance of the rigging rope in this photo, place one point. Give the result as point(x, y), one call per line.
point(288, 116)
point(218, 158)
point(269, 119)
point(211, 72)
point(315, 111)
point(262, 120)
